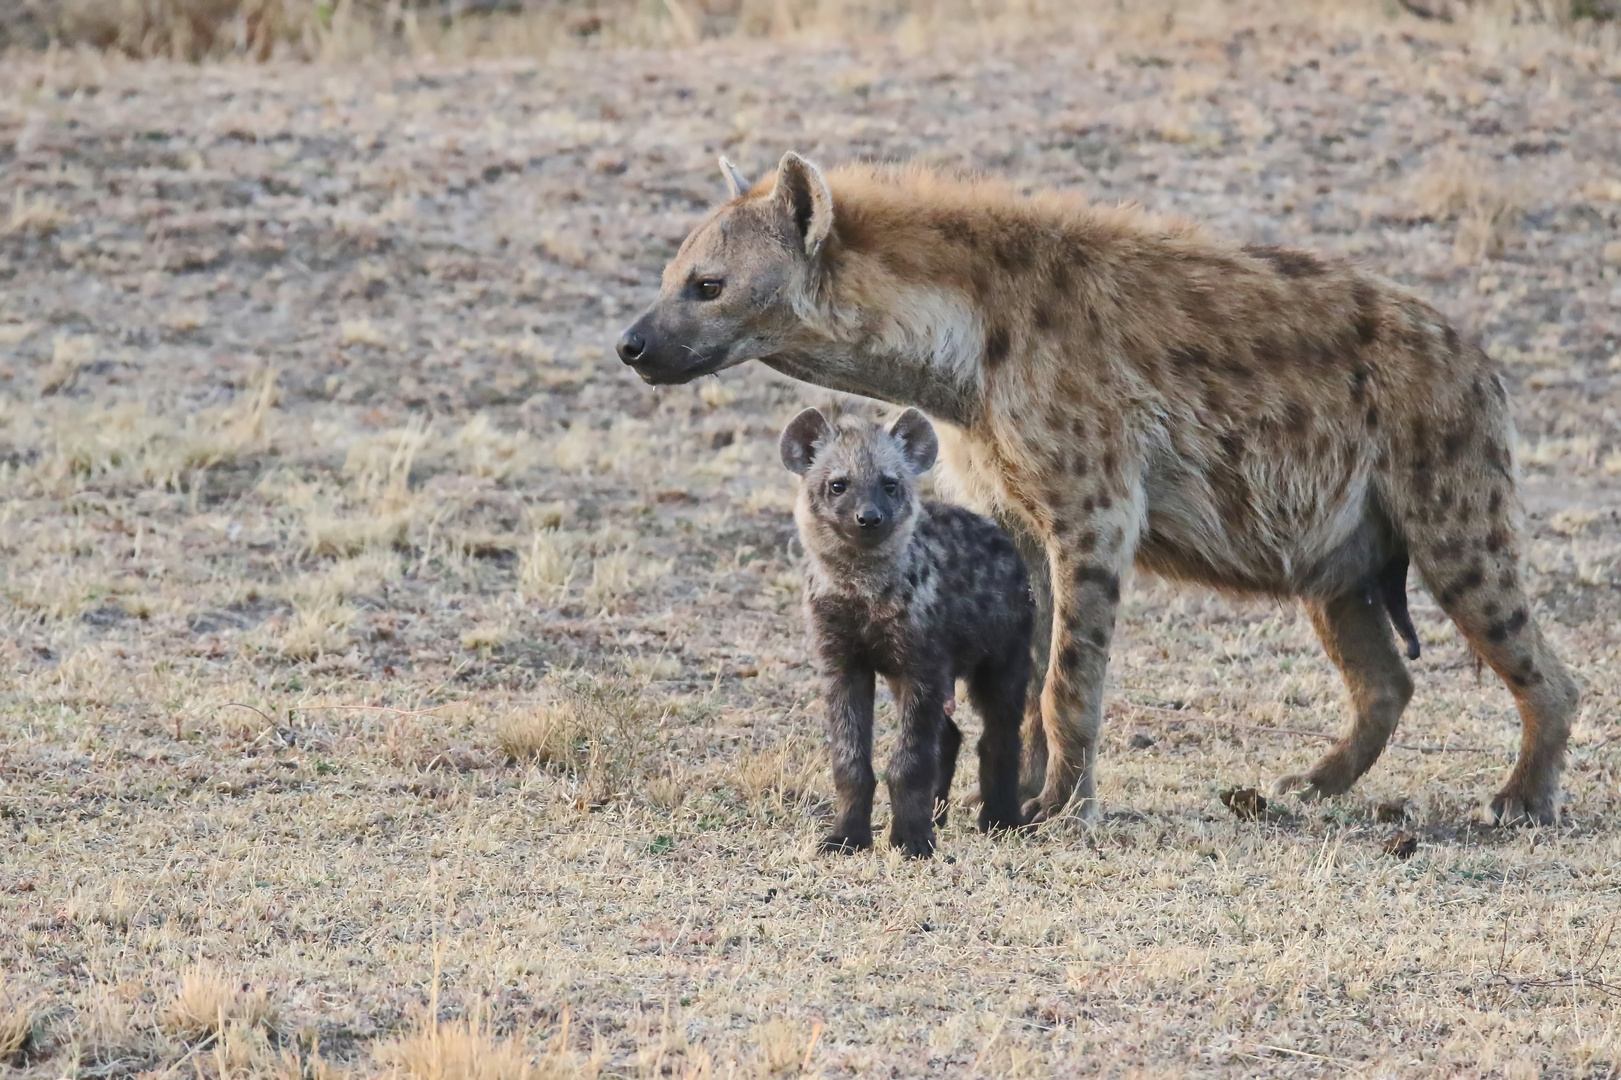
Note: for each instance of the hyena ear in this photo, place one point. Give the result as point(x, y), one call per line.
point(917, 437)
point(799, 439)
point(736, 182)
point(804, 197)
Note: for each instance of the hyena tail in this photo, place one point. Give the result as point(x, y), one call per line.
point(1391, 583)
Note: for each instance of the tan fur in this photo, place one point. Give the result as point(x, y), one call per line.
point(1126, 389)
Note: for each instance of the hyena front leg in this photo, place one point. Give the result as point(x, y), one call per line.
point(913, 772)
point(1033, 737)
point(849, 694)
point(1356, 634)
point(1084, 562)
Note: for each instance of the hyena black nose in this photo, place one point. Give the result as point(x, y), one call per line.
point(870, 518)
point(631, 346)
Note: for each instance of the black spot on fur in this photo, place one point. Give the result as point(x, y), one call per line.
point(1366, 320)
point(1450, 337)
point(1104, 502)
point(1232, 447)
point(1359, 385)
point(1100, 576)
point(1087, 541)
point(1501, 631)
point(997, 344)
point(1078, 466)
point(1371, 420)
point(1069, 656)
point(1494, 503)
point(1188, 358)
point(1296, 419)
point(1495, 540)
point(1043, 317)
point(1286, 261)
point(1099, 638)
point(956, 229)
point(1013, 253)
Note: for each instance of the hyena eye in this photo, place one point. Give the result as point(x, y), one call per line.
point(837, 487)
point(890, 486)
point(709, 289)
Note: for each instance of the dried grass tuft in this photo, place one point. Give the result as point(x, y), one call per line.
point(598, 728)
point(1485, 206)
point(207, 1002)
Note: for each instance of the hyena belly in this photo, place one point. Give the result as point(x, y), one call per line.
point(1266, 524)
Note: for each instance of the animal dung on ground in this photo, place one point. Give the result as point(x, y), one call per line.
point(1403, 845)
point(1246, 803)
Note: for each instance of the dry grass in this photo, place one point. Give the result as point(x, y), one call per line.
point(390, 684)
point(339, 30)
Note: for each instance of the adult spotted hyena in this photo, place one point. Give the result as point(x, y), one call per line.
point(1127, 389)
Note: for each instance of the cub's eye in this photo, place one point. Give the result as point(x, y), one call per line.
point(709, 289)
point(837, 487)
point(890, 486)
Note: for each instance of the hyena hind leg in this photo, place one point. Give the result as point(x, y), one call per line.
point(1494, 615)
point(1356, 634)
point(950, 743)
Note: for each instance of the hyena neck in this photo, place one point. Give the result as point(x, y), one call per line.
point(872, 332)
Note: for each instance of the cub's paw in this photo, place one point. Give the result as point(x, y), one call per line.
point(914, 845)
point(1515, 807)
point(845, 843)
point(1003, 819)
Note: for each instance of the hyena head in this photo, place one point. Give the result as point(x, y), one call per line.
point(859, 486)
point(735, 290)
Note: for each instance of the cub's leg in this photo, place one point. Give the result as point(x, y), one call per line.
point(998, 688)
point(848, 693)
point(1357, 637)
point(950, 743)
point(914, 769)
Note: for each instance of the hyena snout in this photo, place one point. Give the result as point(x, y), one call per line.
point(663, 351)
point(632, 345)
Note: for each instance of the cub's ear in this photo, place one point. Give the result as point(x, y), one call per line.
point(917, 437)
point(799, 439)
point(803, 196)
point(736, 182)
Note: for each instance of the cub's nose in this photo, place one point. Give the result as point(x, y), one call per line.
point(870, 518)
point(632, 346)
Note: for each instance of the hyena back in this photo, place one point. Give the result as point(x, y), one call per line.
point(1124, 389)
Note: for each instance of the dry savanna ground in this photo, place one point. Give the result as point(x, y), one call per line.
point(392, 684)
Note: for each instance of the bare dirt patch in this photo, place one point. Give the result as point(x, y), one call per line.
point(390, 681)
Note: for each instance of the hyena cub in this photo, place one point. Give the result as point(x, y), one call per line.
point(922, 594)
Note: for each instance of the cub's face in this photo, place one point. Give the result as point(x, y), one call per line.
point(859, 484)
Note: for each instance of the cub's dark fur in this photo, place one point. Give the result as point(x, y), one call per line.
point(922, 594)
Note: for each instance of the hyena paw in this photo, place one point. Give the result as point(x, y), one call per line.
point(914, 845)
point(1300, 785)
point(1000, 819)
point(1515, 807)
point(846, 843)
point(1041, 809)
point(1321, 783)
